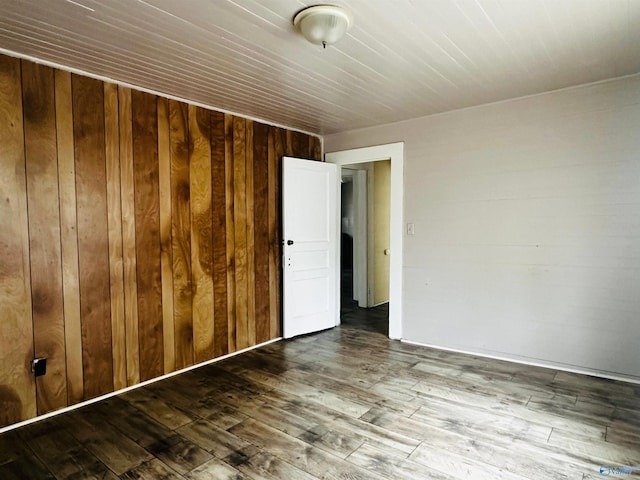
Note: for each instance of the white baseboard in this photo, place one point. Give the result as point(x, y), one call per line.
point(534, 362)
point(132, 387)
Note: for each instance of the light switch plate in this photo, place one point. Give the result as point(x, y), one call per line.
point(411, 229)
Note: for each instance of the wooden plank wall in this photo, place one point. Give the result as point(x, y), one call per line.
point(140, 235)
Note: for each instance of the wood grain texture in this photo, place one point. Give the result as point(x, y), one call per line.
point(281, 136)
point(181, 232)
point(201, 233)
point(17, 385)
point(240, 231)
point(147, 206)
point(289, 143)
point(69, 236)
point(114, 217)
point(251, 266)
point(65, 456)
point(261, 243)
point(299, 145)
point(44, 233)
point(155, 235)
point(274, 247)
point(166, 260)
point(219, 227)
point(127, 187)
point(230, 212)
point(93, 240)
point(290, 410)
point(151, 469)
point(315, 148)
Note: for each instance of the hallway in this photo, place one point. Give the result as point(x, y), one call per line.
point(375, 320)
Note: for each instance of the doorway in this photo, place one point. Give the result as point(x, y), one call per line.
point(365, 245)
point(394, 153)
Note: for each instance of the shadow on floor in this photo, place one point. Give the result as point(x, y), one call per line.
point(375, 319)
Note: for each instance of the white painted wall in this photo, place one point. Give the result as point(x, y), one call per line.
point(527, 227)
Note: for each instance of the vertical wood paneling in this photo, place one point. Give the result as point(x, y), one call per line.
point(201, 239)
point(166, 261)
point(315, 148)
point(44, 233)
point(132, 346)
point(240, 231)
point(93, 241)
point(219, 222)
point(69, 236)
point(281, 137)
point(151, 241)
point(274, 248)
point(17, 385)
point(114, 215)
point(230, 222)
point(147, 206)
point(300, 145)
point(251, 272)
point(181, 232)
point(260, 220)
point(288, 145)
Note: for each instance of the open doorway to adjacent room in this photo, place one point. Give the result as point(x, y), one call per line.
point(365, 245)
point(352, 160)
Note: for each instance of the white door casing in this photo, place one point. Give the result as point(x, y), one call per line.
point(395, 153)
point(310, 200)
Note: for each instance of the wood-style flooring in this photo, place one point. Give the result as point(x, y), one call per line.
point(346, 403)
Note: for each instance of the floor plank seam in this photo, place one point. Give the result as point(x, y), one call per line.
point(345, 403)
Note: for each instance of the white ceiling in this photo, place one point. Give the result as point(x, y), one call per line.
point(402, 59)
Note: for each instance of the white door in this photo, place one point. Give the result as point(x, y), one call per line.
point(310, 197)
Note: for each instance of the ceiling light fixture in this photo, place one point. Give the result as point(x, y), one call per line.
point(323, 24)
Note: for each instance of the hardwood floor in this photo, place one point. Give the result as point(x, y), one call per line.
point(346, 403)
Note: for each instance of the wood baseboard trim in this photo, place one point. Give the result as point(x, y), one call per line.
point(534, 362)
point(132, 387)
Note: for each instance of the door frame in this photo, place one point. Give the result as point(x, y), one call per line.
point(395, 153)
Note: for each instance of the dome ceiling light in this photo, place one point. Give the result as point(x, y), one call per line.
point(323, 24)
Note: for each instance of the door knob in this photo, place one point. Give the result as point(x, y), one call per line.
point(289, 242)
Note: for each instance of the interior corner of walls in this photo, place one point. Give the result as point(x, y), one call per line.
point(514, 222)
point(76, 406)
point(111, 156)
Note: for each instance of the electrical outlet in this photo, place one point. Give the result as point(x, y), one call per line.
point(39, 366)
